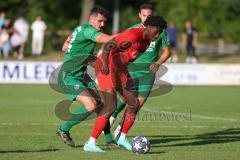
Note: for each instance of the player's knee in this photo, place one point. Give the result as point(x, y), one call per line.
point(95, 103)
point(141, 101)
point(133, 102)
point(91, 105)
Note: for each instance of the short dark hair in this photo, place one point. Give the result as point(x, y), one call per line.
point(146, 6)
point(156, 21)
point(99, 10)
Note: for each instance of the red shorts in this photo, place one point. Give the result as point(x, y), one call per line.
point(117, 78)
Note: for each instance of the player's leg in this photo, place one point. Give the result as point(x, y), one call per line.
point(108, 136)
point(85, 94)
point(145, 83)
point(141, 101)
point(130, 94)
point(88, 105)
point(101, 121)
point(121, 104)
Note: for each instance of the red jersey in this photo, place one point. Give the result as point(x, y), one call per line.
point(130, 44)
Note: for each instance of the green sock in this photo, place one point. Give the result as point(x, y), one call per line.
point(120, 107)
point(108, 137)
point(79, 115)
point(107, 133)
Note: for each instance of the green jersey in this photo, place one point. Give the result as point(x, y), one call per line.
point(80, 48)
point(83, 40)
point(151, 55)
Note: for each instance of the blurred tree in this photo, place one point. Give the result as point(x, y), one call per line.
point(87, 6)
point(214, 16)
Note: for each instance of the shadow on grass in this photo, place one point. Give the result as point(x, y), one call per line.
point(103, 146)
point(78, 146)
point(224, 136)
point(29, 150)
point(161, 152)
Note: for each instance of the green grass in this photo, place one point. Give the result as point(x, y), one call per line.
point(211, 131)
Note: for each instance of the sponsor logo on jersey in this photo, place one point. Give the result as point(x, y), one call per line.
point(73, 36)
point(151, 46)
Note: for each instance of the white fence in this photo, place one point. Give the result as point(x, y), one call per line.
point(177, 74)
point(203, 74)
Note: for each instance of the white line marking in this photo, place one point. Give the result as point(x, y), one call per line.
point(194, 115)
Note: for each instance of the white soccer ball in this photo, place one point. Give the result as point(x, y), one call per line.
point(140, 145)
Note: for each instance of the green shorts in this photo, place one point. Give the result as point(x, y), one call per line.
point(72, 86)
point(144, 81)
point(77, 86)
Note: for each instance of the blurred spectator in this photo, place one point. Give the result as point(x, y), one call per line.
point(172, 33)
point(190, 37)
point(7, 24)
point(5, 39)
point(22, 26)
point(2, 19)
point(38, 28)
point(17, 43)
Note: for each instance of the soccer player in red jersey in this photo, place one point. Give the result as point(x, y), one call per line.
point(112, 73)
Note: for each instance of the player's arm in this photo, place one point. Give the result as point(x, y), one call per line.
point(104, 38)
point(120, 41)
point(165, 55)
point(106, 50)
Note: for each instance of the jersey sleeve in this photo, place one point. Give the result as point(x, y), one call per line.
point(91, 33)
point(165, 40)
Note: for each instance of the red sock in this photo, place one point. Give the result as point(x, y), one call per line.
point(99, 126)
point(128, 122)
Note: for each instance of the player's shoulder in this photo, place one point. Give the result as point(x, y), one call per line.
point(88, 28)
point(136, 33)
point(135, 26)
point(132, 35)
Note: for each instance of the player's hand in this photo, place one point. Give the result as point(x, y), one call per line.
point(105, 69)
point(154, 67)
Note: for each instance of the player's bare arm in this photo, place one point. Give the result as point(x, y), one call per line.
point(106, 50)
point(165, 55)
point(104, 38)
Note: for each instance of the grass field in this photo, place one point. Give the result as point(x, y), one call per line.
point(208, 127)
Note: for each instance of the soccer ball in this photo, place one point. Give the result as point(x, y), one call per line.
point(140, 145)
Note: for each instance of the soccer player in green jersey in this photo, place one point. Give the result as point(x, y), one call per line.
point(73, 79)
point(149, 59)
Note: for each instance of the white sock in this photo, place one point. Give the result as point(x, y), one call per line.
point(111, 120)
point(118, 127)
point(117, 130)
point(123, 135)
point(92, 140)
